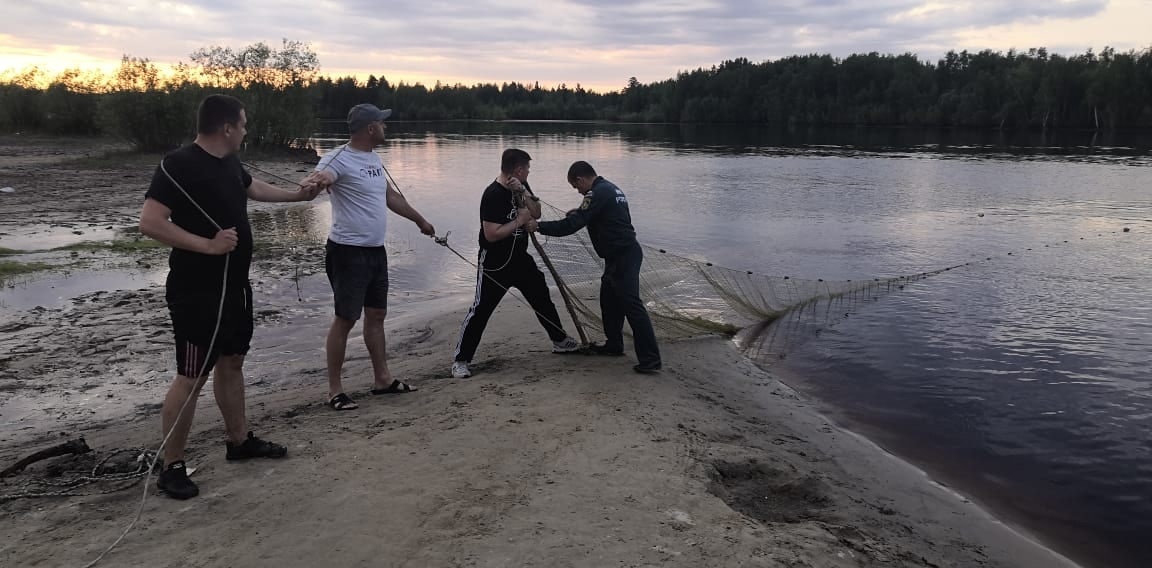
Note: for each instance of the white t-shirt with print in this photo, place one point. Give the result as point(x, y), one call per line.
point(359, 197)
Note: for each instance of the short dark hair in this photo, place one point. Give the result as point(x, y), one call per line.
point(580, 169)
point(217, 110)
point(513, 158)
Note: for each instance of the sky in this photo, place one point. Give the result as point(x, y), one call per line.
point(597, 44)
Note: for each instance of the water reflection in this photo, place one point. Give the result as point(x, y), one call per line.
point(52, 290)
point(304, 223)
point(41, 237)
point(774, 140)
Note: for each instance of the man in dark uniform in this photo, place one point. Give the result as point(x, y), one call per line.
point(605, 212)
point(506, 207)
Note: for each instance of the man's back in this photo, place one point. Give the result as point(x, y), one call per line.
point(610, 225)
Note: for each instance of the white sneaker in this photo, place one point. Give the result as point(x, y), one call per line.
point(566, 345)
point(460, 370)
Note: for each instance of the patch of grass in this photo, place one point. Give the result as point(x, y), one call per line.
point(9, 268)
point(118, 245)
point(280, 154)
point(27, 139)
point(114, 160)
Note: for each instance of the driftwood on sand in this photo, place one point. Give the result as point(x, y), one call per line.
point(77, 446)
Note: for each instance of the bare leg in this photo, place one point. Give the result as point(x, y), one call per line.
point(178, 393)
point(228, 386)
point(335, 347)
point(377, 346)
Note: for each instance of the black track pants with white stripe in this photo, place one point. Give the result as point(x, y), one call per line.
point(521, 273)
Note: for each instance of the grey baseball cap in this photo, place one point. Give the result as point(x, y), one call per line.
point(364, 114)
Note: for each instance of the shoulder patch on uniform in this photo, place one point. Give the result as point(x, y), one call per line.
point(587, 202)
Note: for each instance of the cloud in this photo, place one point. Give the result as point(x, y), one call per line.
point(597, 42)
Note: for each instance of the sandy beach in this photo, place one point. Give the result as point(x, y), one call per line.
point(538, 460)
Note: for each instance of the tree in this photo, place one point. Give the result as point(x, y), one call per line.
point(293, 64)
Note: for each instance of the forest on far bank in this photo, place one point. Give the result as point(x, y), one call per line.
point(286, 95)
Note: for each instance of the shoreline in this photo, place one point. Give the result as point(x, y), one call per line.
point(807, 415)
point(538, 458)
point(1017, 530)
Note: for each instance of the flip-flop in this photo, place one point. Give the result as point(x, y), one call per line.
point(396, 387)
point(342, 402)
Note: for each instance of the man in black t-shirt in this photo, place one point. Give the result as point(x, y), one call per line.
point(197, 204)
point(505, 208)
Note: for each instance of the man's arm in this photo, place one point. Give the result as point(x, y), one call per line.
point(495, 231)
point(527, 199)
point(155, 223)
point(323, 177)
point(532, 203)
point(262, 191)
point(401, 207)
point(575, 220)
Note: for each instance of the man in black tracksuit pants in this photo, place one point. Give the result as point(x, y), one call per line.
point(605, 212)
point(507, 206)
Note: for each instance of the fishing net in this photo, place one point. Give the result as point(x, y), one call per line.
point(687, 298)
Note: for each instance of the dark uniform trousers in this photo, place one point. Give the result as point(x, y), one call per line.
point(620, 300)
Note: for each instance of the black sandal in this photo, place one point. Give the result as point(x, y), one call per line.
point(342, 402)
point(396, 387)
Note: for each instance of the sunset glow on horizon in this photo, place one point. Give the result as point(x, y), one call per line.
point(597, 44)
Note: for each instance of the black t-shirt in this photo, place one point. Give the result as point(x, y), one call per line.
point(220, 187)
point(498, 205)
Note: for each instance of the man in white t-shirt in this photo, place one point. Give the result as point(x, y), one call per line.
point(355, 260)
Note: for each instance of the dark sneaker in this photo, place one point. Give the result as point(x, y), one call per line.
point(174, 482)
point(648, 369)
point(603, 350)
point(254, 447)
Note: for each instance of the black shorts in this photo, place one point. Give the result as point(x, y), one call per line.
point(359, 278)
point(194, 314)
